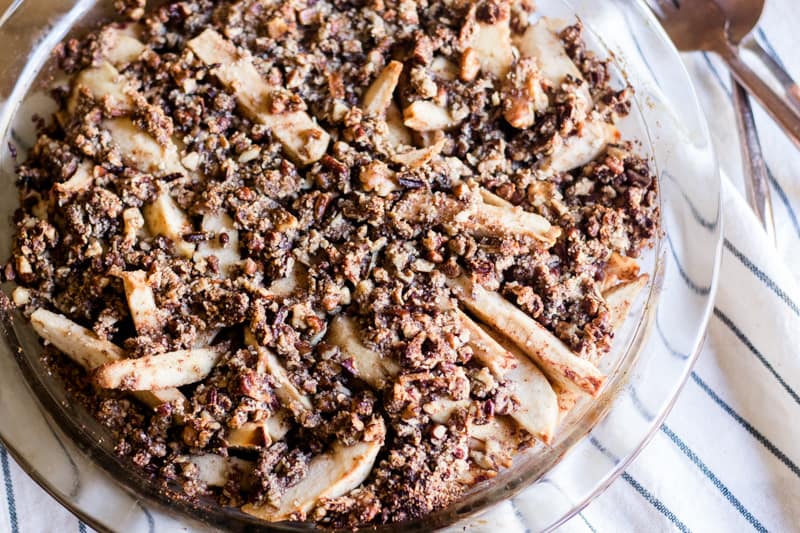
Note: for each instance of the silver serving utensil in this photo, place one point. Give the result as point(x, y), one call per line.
point(695, 25)
point(755, 168)
point(739, 17)
point(743, 15)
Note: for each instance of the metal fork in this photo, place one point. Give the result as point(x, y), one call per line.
point(695, 25)
point(755, 168)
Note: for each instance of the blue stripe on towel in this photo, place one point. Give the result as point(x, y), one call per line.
point(643, 492)
point(585, 521)
point(725, 491)
point(519, 517)
point(774, 450)
point(782, 457)
point(698, 289)
point(12, 505)
point(696, 214)
point(766, 280)
point(769, 48)
point(666, 343)
point(744, 340)
point(655, 502)
point(715, 72)
point(82, 527)
point(784, 200)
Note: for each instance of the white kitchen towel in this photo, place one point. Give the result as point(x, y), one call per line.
point(727, 458)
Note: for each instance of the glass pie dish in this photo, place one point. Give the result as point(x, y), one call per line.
point(71, 455)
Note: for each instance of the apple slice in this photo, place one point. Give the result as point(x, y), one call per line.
point(330, 475)
point(621, 296)
point(302, 138)
point(90, 351)
point(544, 348)
point(370, 365)
point(156, 372)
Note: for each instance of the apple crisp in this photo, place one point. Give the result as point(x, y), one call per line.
point(331, 260)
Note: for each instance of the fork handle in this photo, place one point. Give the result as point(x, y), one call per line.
point(755, 168)
point(776, 106)
point(791, 88)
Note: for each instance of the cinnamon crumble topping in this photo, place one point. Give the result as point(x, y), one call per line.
point(348, 224)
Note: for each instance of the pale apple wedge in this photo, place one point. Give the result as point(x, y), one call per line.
point(228, 254)
point(141, 151)
point(141, 301)
point(88, 350)
point(294, 280)
point(105, 84)
point(538, 409)
point(268, 363)
point(302, 138)
point(581, 148)
point(136, 147)
point(379, 94)
point(538, 404)
point(503, 429)
point(79, 182)
point(490, 198)
point(552, 356)
point(120, 43)
point(486, 349)
point(491, 43)
point(396, 132)
point(441, 410)
point(368, 364)
point(330, 475)
point(165, 217)
point(493, 220)
point(499, 218)
point(566, 401)
point(156, 372)
point(621, 296)
point(215, 470)
point(419, 157)
point(252, 435)
point(541, 42)
point(619, 268)
point(424, 115)
point(80, 344)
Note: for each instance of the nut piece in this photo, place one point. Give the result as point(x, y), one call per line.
point(523, 94)
point(469, 66)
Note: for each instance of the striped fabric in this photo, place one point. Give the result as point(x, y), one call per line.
point(727, 457)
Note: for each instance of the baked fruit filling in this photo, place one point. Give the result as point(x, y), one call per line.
point(331, 260)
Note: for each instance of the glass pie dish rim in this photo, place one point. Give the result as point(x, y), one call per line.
point(462, 510)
